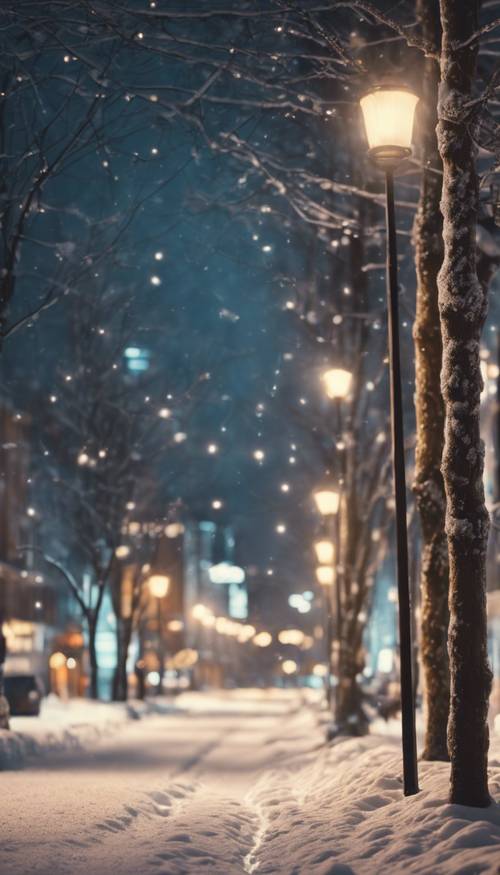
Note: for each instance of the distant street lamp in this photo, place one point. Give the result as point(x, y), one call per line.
point(337, 383)
point(327, 501)
point(324, 551)
point(325, 575)
point(388, 113)
point(159, 585)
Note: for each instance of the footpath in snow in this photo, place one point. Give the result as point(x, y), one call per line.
point(239, 782)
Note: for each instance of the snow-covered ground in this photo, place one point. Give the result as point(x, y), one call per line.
point(231, 783)
point(62, 726)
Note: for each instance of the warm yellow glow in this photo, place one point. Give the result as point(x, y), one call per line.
point(307, 643)
point(122, 551)
point(388, 116)
point(246, 632)
point(184, 658)
point(319, 670)
point(337, 382)
point(223, 626)
point(159, 585)
point(291, 636)
point(325, 575)
point(199, 611)
point(289, 666)
point(327, 501)
point(208, 620)
point(57, 660)
point(175, 626)
point(173, 530)
point(324, 552)
point(263, 639)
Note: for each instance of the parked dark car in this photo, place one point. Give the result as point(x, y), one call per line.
point(24, 693)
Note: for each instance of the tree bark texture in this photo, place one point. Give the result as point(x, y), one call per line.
point(123, 637)
point(94, 669)
point(428, 484)
point(462, 306)
point(350, 716)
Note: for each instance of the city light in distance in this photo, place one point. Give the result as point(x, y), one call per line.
point(295, 637)
point(289, 666)
point(300, 603)
point(199, 611)
point(259, 455)
point(159, 585)
point(263, 639)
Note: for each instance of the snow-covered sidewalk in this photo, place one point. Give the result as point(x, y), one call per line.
point(344, 814)
point(240, 782)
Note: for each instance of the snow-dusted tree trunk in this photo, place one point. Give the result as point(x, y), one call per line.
point(462, 306)
point(428, 484)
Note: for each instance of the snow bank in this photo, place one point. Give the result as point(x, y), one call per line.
point(343, 813)
point(64, 726)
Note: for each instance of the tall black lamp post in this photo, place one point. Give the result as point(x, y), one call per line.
point(388, 113)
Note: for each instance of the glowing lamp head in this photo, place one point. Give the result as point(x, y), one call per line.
point(388, 114)
point(327, 501)
point(159, 585)
point(337, 382)
point(324, 552)
point(325, 575)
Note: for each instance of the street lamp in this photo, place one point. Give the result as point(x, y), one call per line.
point(388, 114)
point(324, 552)
point(327, 501)
point(159, 585)
point(337, 383)
point(325, 575)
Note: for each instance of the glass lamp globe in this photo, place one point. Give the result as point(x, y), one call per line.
point(325, 575)
point(324, 552)
point(388, 114)
point(327, 501)
point(159, 585)
point(337, 382)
